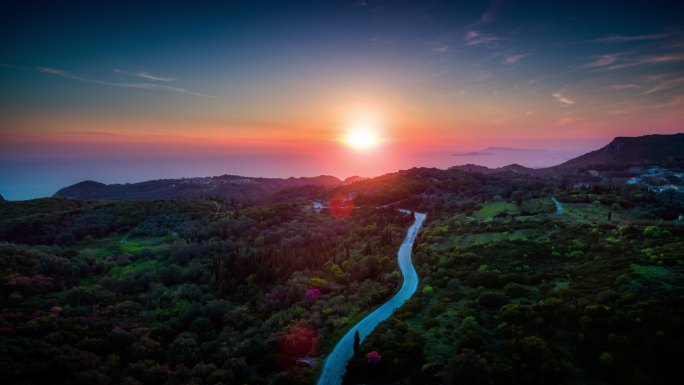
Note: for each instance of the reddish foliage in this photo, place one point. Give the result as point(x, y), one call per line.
point(341, 205)
point(312, 295)
point(15, 314)
point(373, 357)
point(299, 341)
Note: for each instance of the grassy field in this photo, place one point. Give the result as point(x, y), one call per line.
point(592, 213)
point(491, 210)
point(466, 240)
point(116, 245)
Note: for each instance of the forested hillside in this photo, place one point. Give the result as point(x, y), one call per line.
point(174, 292)
point(218, 291)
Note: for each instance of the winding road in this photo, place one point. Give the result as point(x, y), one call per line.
point(336, 362)
point(559, 206)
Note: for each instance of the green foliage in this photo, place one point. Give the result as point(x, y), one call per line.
point(174, 292)
point(494, 209)
point(169, 291)
point(652, 231)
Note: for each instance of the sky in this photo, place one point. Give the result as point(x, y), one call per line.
point(129, 91)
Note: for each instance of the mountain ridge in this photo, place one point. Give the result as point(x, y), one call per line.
point(233, 186)
point(624, 151)
point(621, 152)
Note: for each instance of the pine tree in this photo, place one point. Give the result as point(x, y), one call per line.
point(357, 344)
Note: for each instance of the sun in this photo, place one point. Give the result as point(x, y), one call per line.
point(362, 138)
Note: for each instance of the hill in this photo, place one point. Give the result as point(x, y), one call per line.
point(623, 152)
point(515, 168)
point(226, 186)
point(208, 291)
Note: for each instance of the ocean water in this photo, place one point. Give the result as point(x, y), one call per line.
point(35, 178)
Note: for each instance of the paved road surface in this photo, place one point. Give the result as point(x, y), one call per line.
point(559, 206)
point(336, 362)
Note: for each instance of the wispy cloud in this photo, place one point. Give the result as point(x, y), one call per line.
point(565, 120)
point(654, 59)
point(625, 86)
point(603, 61)
point(492, 11)
point(566, 101)
point(380, 40)
point(477, 38)
point(631, 38)
point(616, 61)
point(514, 59)
point(145, 75)
point(136, 85)
point(666, 85)
point(440, 48)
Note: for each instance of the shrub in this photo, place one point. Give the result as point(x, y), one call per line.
point(515, 290)
point(492, 299)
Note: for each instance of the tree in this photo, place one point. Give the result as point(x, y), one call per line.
point(468, 368)
point(357, 344)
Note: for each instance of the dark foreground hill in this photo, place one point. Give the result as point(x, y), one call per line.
point(226, 186)
point(186, 291)
point(626, 151)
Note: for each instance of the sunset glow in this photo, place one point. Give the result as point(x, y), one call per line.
point(300, 82)
point(339, 192)
point(362, 138)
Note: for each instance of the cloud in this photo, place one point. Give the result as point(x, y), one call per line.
point(53, 71)
point(514, 59)
point(566, 101)
point(603, 61)
point(136, 85)
point(565, 120)
point(441, 48)
point(658, 59)
point(511, 149)
point(380, 40)
point(477, 38)
point(145, 75)
point(625, 86)
point(492, 11)
point(665, 85)
point(626, 39)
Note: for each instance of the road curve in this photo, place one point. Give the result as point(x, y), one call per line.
point(559, 206)
point(336, 362)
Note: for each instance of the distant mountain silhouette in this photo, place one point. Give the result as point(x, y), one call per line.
point(620, 153)
point(472, 153)
point(626, 151)
point(225, 186)
point(2, 199)
point(510, 149)
point(516, 168)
